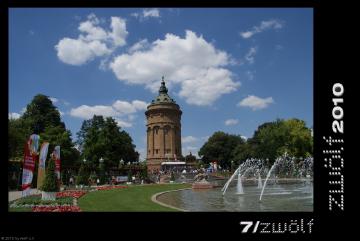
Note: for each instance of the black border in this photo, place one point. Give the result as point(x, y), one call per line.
point(160, 225)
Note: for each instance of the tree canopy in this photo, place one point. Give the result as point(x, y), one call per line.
point(103, 138)
point(270, 140)
point(219, 147)
point(43, 118)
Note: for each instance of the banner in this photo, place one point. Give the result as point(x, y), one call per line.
point(56, 156)
point(42, 160)
point(30, 155)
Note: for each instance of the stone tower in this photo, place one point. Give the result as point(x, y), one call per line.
point(163, 117)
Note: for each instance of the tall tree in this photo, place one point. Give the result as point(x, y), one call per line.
point(43, 118)
point(103, 138)
point(41, 113)
point(273, 139)
point(219, 147)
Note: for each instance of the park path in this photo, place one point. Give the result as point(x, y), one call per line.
point(13, 195)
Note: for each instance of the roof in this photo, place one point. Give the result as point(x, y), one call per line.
point(163, 96)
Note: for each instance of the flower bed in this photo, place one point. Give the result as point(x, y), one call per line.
point(34, 200)
point(110, 187)
point(63, 208)
point(73, 194)
point(66, 201)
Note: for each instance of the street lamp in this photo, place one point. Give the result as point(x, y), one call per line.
point(101, 160)
point(84, 160)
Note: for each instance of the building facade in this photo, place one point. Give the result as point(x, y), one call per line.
point(163, 117)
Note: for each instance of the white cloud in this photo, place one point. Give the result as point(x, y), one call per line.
point(154, 12)
point(87, 112)
point(147, 13)
point(93, 41)
point(14, 115)
point(264, 25)
point(188, 139)
point(118, 109)
point(53, 100)
point(256, 103)
point(231, 122)
point(191, 62)
point(250, 56)
point(124, 107)
point(123, 123)
point(119, 33)
point(142, 44)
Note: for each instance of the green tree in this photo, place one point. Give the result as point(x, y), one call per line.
point(41, 113)
point(273, 139)
point(18, 133)
point(43, 118)
point(220, 147)
point(50, 183)
point(83, 176)
point(103, 138)
point(59, 136)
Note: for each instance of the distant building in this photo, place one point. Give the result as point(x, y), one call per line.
point(163, 117)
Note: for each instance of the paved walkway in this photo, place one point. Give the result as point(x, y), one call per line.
point(13, 195)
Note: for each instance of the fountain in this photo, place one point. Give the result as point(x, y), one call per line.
point(259, 182)
point(292, 191)
point(267, 178)
point(239, 185)
point(287, 165)
point(249, 168)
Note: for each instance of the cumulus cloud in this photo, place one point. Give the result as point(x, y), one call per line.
point(14, 115)
point(93, 41)
point(190, 62)
point(147, 13)
point(256, 103)
point(124, 107)
point(264, 25)
point(231, 122)
point(87, 112)
point(188, 139)
point(123, 123)
point(118, 110)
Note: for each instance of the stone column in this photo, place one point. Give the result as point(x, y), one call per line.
point(161, 141)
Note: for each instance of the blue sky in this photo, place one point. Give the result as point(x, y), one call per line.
point(229, 69)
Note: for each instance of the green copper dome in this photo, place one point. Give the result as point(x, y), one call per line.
point(163, 96)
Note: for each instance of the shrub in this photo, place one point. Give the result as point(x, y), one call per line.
point(50, 183)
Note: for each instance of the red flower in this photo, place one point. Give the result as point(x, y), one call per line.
point(56, 209)
point(74, 194)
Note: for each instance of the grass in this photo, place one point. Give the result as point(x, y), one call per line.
point(132, 199)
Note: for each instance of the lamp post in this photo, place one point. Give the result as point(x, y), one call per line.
point(101, 167)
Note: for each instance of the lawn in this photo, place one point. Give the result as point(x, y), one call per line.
point(131, 199)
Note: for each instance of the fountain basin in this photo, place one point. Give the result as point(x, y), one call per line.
point(202, 185)
point(294, 197)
